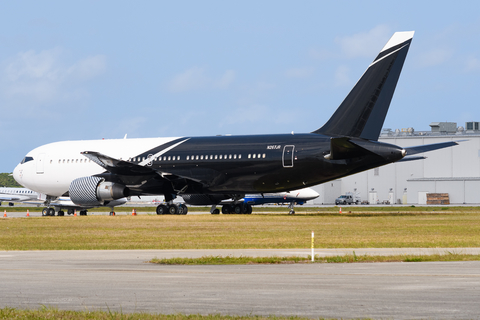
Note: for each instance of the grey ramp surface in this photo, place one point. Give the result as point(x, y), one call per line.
point(123, 281)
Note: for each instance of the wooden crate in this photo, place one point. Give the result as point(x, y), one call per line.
point(438, 198)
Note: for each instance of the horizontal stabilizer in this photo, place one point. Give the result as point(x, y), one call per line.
point(412, 158)
point(430, 147)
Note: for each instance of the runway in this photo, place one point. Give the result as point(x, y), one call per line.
point(123, 281)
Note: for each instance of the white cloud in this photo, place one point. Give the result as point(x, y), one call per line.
point(191, 79)
point(319, 54)
point(341, 76)
point(227, 79)
point(435, 57)
point(472, 64)
point(89, 68)
point(250, 114)
point(299, 72)
point(365, 44)
point(196, 78)
point(41, 77)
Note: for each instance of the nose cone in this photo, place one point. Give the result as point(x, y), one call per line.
point(17, 174)
point(308, 194)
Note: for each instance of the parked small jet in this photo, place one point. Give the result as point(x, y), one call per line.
point(16, 195)
point(97, 172)
point(230, 206)
point(24, 195)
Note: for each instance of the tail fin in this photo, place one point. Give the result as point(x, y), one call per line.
point(363, 111)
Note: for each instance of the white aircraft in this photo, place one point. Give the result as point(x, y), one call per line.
point(216, 168)
point(16, 194)
point(292, 197)
point(28, 196)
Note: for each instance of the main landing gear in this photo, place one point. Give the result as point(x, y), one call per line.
point(239, 208)
point(48, 212)
point(51, 212)
point(171, 208)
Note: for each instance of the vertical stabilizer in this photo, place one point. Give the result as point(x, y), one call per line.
point(363, 111)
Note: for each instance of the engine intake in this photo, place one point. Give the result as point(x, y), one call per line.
point(95, 191)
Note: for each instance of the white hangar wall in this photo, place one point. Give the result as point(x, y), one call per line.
point(454, 170)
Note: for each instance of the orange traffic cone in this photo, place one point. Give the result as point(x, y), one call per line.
point(340, 210)
point(134, 212)
point(75, 213)
point(28, 214)
point(5, 214)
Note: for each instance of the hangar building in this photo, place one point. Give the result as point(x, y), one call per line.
point(453, 173)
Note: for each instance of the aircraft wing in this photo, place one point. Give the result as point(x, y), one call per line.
point(134, 174)
point(118, 166)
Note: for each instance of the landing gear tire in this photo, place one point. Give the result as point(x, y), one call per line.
point(51, 212)
point(83, 212)
point(45, 212)
point(112, 213)
point(292, 212)
point(248, 209)
point(216, 211)
point(61, 213)
point(70, 211)
point(182, 209)
point(162, 209)
point(173, 209)
point(238, 209)
point(226, 209)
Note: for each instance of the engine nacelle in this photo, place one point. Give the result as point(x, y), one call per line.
point(95, 191)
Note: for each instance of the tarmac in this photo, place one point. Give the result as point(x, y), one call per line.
point(123, 281)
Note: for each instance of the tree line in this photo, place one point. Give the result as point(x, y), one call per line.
point(6, 180)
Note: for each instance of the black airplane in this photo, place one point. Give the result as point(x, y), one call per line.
point(212, 169)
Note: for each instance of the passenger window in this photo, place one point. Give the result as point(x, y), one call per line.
point(216, 157)
point(264, 155)
point(254, 156)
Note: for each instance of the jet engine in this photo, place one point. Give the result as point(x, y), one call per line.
point(95, 191)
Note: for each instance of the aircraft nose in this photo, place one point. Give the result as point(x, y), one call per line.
point(311, 194)
point(16, 173)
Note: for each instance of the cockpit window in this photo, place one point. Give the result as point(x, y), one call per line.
point(26, 159)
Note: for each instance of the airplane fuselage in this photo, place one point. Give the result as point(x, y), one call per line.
point(220, 164)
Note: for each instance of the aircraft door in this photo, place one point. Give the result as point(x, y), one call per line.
point(40, 163)
point(287, 157)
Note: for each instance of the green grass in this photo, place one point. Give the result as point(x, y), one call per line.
point(46, 313)
point(358, 229)
point(348, 258)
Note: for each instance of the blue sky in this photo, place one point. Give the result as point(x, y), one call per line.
point(75, 70)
